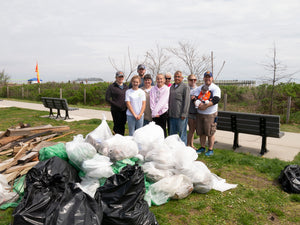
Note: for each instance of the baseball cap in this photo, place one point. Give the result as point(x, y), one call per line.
point(141, 66)
point(119, 74)
point(208, 73)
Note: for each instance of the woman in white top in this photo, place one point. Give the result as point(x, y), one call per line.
point(135, 99)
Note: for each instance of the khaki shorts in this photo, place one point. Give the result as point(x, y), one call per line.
point(206, 124)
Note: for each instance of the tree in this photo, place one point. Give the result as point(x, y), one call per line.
point(4, 78)
point(276, 72)
point(156, 60)
point(122, 67)
point(190, 56)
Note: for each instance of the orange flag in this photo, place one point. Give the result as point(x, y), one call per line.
point(37, 72)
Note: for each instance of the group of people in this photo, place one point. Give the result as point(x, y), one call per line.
point(171, 106)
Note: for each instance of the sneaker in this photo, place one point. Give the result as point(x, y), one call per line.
point(209, 153)
point(200, 150)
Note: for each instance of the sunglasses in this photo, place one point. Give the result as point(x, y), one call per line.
point(168, 78)
point(193, 80)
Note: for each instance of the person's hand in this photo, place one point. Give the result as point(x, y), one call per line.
point(156, 116)
point(193, 97)
point(202, 106)
point(182, 118)
point(138, 117)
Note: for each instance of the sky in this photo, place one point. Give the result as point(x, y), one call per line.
point(73, 39)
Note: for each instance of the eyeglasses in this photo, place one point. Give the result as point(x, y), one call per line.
point(167, 78)
point(193, 80)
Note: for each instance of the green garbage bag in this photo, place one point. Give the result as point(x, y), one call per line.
point(58, 150)
point(119, 165)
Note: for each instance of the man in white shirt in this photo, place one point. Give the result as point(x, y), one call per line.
point(206, 121)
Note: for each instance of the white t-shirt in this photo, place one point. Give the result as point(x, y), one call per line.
point(215, 91)
point(136, 98)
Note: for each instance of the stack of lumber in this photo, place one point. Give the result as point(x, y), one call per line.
point(22, 144)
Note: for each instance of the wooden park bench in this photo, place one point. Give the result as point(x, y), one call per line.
point(250, 123)
point(59, 104)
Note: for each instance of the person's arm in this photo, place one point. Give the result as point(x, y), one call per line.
point(129, 107)
point(108, 95)
point(186, 103)
point(142, 110)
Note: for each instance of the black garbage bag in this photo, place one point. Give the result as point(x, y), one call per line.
point(45, 185)
point(122, 198)
point(76, 208)
point(289, 179)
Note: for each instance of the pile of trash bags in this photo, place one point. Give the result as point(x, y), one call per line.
point(112, 179)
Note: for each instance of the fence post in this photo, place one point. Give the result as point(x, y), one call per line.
point(7, 91)
point(39, 89)
point(22, 92)
point(225, 101)
point(84, 96)
point(60, 92)
point(288, 109)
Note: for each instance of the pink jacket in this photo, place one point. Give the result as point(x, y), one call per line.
point(159, 100)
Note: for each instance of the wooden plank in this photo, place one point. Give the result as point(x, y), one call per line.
point(28, 157)
point(72, 132)
point(7, 163)
point(7, 152)
point(29, 131)
point(6, 140)
point(43, 144)
point(11, 176)
point(20, 167)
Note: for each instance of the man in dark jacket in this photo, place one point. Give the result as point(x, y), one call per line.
point(179, 103)
point(115, 96)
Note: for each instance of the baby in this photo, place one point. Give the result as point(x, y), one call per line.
point(204, 97)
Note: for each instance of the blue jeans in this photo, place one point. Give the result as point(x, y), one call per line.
point(178, 126)
point(146, 122)
point(134, 124)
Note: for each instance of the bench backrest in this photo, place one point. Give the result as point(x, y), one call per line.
point(55, 103)
point(249, 123)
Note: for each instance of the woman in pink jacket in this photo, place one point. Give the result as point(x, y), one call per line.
point(159, 102)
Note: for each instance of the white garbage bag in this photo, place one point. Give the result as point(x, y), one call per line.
point(98, 167)
point(78, 150)
point(100, 134)
point(6, 195)
point(148, 136)
point(176, 187)
point(89, 185)
point(220, 184)
point(154, 174)
point(200, 175)
point(119, 147)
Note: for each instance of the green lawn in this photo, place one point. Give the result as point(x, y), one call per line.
point(258, 199)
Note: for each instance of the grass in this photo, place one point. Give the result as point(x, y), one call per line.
point(258, 198)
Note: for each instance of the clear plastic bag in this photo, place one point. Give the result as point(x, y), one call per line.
point(154, 174)
point(98, 167)
point(5, 194)
point(176, 187)
point(200, 176)
point(119, 147)
point(89, 185)
point(78, 150)
point(148, 136)
point(100, 134)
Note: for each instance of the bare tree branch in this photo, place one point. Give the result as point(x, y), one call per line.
point(156, 60)
point(189, 55)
